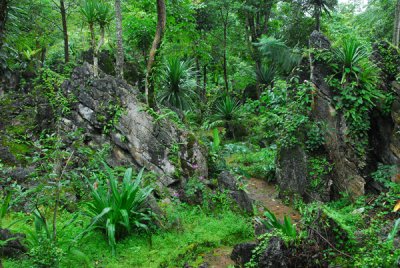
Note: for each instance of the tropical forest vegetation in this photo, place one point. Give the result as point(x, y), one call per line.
point(199, 133)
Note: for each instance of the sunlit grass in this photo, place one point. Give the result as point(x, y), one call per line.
point(191, 232)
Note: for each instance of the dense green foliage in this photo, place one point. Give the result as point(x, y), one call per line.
point(235, 80)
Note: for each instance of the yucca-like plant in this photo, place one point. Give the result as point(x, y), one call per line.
point(116, 209)
point(266, 74)
point(348, 57)
point(227, 113)
point(96, 11)
point(177, 84)
point(89, 11)
point(104, 14)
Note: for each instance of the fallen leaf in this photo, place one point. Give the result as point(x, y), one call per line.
point(397, 206)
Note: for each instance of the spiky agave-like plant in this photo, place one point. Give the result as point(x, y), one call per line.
point(348, 57)
point(117, 209)
point(177, 84)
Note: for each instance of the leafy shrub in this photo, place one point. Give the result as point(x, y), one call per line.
point(117, 210)
point(227, 112)
point(384, 174)
point(355, 80)
point(319, 167)
point(45, 243)
point(348, 57)
point(177, 84)
point(315, 136)
point(257, 164)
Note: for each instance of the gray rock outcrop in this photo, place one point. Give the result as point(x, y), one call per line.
point(291, 169)
point(226, 181)
point(346, 171)
point(109, 111)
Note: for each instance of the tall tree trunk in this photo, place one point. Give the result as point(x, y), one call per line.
point(65, 30)
point(96, 52)
point(3, 18)
point(256, 26)
point(161, 22)
point(119, 68)
point(204, 93)
point(225, 67)
point(396, 27)
point(317, 15)
point(198, 76)
point(93, 45)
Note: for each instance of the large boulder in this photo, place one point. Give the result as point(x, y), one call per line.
point(291, 169)
point(13, 247)
point(228, 182)
point(242, 253)
point(110, 111)
point(275, 255)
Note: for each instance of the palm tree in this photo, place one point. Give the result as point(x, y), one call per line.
point(322, 6)
point(177, 81)
point(317, 7)
point(96, 12)
point(104, 17)
point(88, 11)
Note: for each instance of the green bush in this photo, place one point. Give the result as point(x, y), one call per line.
point(257, 164)
point(177, 85)
point(117, 210)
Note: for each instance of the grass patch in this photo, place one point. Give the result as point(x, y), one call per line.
point(192, 231)
point(255, 163)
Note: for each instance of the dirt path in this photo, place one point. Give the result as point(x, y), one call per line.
point(265, 196)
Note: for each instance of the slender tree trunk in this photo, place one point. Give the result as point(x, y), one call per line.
point(317, 14)
point(198, 76)
point(161, 22)
point(96, 52)
point(396, 28)
point(93, 44)
point(204, 93)
point(3, 18)
point(119, 68)
point(225, 67)
point(43, 56)
point(65, 30)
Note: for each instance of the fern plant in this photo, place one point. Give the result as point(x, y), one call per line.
point(276, 52)
point(117, 209)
